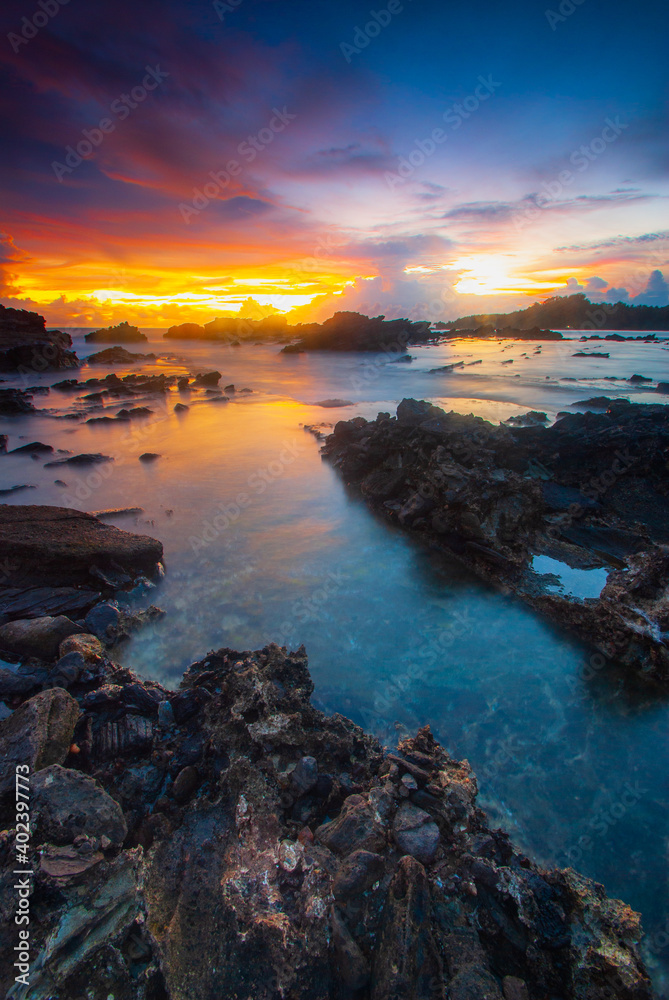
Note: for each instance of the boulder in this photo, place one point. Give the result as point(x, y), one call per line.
point(70, 804)
point(62, 546)
point(207, 379)
point(356, 828)
point(39, 733)
point(416, 833)
point(40, 637)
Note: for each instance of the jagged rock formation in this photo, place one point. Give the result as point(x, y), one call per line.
point(229, 840)
point(28, 347)
point(590, 492)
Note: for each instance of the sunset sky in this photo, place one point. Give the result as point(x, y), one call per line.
point(415, 158)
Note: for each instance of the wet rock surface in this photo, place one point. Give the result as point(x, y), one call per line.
point(228, 839)
point(68, 548)
point(589, 492)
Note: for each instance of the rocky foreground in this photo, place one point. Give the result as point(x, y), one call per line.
point(590, 492)
point(229, 840)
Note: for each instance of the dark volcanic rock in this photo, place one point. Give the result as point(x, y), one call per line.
point(64, 546)
point(27, 346)
point(117, 356)
point(37, 734)
point(123, 333)
point(68, 804)
point(87, 459)
point(15, 402)
point(590, 491)
point(229, 896)
point(207, 380)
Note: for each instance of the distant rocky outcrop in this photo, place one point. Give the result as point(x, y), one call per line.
point(26, 346)
point(350, 331)
point(574, 312)
point(123, 333)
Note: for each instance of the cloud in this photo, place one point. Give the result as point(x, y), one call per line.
point(655, 293)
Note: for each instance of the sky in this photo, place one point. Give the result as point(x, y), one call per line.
point(176, 161)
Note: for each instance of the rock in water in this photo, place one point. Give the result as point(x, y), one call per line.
point(62, 546)
point(26, 345)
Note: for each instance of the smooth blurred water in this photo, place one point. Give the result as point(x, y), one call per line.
point(262, 543)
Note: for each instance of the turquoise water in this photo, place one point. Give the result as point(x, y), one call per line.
point(262, 542)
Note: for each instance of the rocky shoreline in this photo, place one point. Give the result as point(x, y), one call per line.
point(228, 839)
point(524, 505)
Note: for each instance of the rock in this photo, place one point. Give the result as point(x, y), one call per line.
point(62, 546)
point(67, 670)
point(305, 775)
point(112, 624)
point(26, 344)
point(35, 448)
point(181, 408)
point(39, 733)
point(207, 380)
point(123, 333)
point(351, 964)
point(83, 460)
point(117, 356)
point(68, 804)
point(37, 602)
point(185, 783)
point(639, 379)
point(356, 828)
point(149, 456)
point(229, 388)
point(359, 871)
point(38, 637)
point(514, 989)
point(16, 489)
point(14, 402)
point(406, 963)
point(88, 646)
point(416, 833)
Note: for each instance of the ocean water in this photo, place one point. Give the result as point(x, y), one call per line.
point(263, 543)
